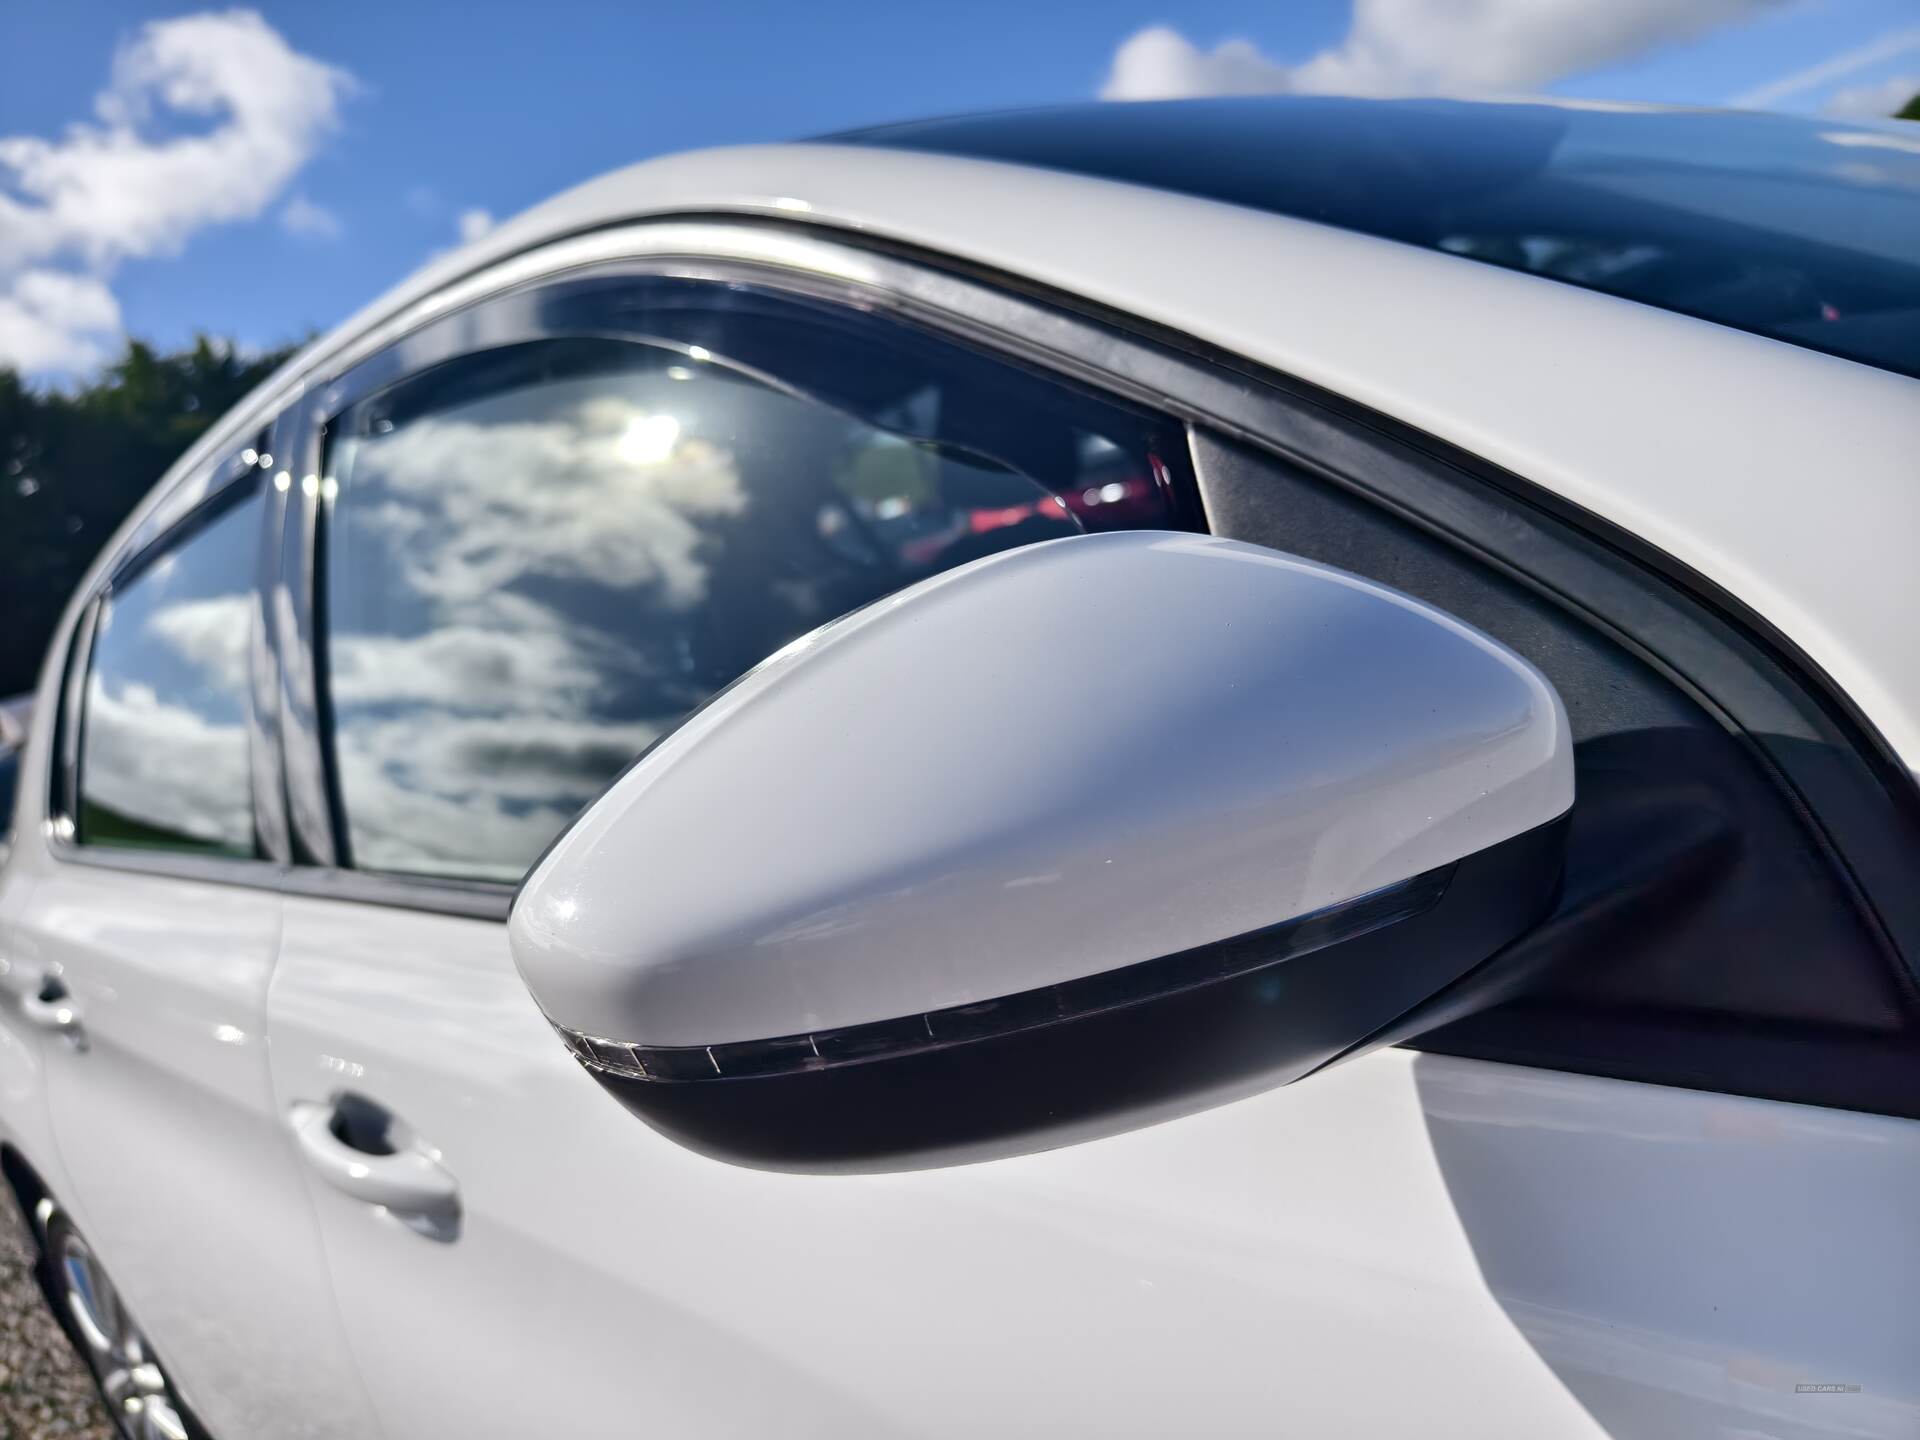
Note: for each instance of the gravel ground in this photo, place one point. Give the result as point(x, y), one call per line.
point(44, 1389)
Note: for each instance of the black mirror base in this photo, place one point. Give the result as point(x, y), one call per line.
point(1118, 1068)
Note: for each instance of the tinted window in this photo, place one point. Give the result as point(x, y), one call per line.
point(163, 748)
point(541, 557)
point(1805, 230)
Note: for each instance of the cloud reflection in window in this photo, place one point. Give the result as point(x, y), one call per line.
point(164, 759)
point(541, 558)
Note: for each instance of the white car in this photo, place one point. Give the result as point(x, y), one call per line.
point(1401, 918)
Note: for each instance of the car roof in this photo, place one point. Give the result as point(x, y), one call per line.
point(1806, 230)
point(1781, 474)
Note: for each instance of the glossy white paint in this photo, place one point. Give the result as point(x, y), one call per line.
point(937, 801)
point(173, 1158)
point(410, 1183)
point(24, 1122)
point(1402, 1245)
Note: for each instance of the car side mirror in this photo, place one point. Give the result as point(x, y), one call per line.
point(1075, 837)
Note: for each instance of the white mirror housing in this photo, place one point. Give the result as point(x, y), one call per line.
point(1067, 780)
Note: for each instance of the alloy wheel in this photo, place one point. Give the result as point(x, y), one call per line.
point(137, 1394)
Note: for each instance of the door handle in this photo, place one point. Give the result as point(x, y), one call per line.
point(53, 1008)
point(353, 1145)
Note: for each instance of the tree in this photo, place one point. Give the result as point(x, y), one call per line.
point(73, 464)
point(1909, 111)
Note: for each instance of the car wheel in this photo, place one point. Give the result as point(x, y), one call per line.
point(131, 1380)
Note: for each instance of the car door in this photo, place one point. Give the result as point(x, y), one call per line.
point(536, 535)
point(143, 951)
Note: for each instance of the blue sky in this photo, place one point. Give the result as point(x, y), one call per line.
point(369, 129)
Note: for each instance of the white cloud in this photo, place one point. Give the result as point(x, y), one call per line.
point(1890, 46)
point(465, 746)
point(133, 182)
point(55, 320)
point(474, 795)
point(1160, 63)
point(210, 634)
point(1425, 47)
point(199, 788)
point(301, 216)
point(468, 665)
point(473, 224)
point(1877, 101)
point(594, 516)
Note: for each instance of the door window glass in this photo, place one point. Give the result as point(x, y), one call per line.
point(163, 749)
point(539, 558)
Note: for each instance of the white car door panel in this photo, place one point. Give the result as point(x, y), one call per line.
point(1401, 1245)
point(179, 1169)
point(425, 1015)
point(1689, 1263)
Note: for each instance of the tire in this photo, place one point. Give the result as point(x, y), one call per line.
point(133, 1385)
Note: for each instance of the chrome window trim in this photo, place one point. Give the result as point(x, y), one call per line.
point(478, 900)
point(473, 899)
point(822, 266)
point(256, 874)
point(549, 256)
point(199, 489)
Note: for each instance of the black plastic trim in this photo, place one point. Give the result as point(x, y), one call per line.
point(1061, 1003)
point(1257, 1025)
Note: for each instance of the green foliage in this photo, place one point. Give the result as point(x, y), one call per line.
point(73, 463)
point(1909, 111)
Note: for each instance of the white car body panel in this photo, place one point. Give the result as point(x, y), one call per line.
point(174, 1158)
point(1405, 1244)
point(24, 1122)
